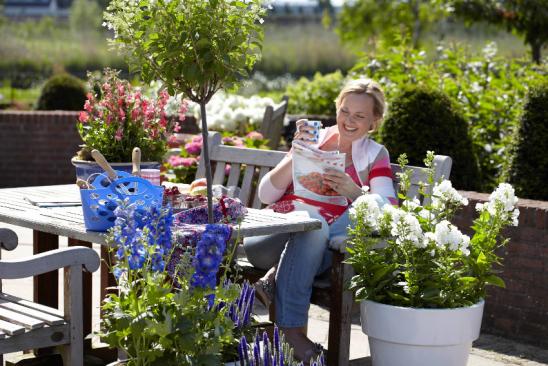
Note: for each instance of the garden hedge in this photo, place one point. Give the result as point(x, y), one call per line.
point(62, 92)
point(527, 170)
point(422, 119)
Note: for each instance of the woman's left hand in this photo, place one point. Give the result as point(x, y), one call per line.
point(342, 183)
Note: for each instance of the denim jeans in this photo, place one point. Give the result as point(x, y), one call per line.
point(300, 257)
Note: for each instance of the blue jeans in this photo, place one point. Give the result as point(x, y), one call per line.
point(300, 258)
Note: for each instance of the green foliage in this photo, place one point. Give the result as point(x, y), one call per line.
point(363, 20)
point(31, 50)
point(528, 169)
point(423, 119)
point(427, 262)
point(156, 316)
point(63, 92)
point(303, 49)
point(527, 18)
point(85, 16)
point(488, 90)
point(193, 46)
point(316, 96)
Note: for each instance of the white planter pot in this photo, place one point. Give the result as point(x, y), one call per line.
point(420, 337)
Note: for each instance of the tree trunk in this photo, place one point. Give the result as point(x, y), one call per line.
point(535, 51)
point(205, 150)
point(415, 9)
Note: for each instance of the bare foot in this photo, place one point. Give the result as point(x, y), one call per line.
point(303, 348)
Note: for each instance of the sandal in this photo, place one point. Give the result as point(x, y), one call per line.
point(264, 291)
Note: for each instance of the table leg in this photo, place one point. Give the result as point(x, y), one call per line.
point(107, 279)
point(87, 299)
point(46, 286)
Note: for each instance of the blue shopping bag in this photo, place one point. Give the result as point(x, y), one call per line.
point(99, 204)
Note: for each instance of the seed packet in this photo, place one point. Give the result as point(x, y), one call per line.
point(309, 164)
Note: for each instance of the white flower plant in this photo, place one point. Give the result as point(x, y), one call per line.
point(413, 256)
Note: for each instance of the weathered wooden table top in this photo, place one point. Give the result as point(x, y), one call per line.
point(35, 208)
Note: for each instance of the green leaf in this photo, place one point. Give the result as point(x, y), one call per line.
point(495, 281)
point(482, 259)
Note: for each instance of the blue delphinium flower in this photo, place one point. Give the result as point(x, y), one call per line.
point(209, 254)
point(142, 235)
point(208, 257)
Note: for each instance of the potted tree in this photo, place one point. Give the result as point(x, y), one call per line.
point(194, 47)
point(422, 290)
point(117, 118)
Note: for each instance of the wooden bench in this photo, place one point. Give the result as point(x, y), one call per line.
point(27, 325)
point(248, 166)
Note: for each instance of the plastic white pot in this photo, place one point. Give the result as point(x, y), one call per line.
point(420, 337)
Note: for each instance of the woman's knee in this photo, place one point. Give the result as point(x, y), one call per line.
point(264, 251)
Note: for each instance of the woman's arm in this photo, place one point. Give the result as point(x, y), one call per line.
point(380, 178)
point(274, 183)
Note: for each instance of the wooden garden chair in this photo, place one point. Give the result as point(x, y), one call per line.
point(27, 325)
point(248, 166)
point(273, 122)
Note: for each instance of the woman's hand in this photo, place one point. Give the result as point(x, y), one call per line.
point(304, 132)
point(342, 183)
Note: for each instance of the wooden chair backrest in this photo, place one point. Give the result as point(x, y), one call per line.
point(442, 170)
point(252, 163)
point(248, 166)
point(273, 123)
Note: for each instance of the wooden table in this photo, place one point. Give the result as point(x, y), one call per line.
point(48, 223)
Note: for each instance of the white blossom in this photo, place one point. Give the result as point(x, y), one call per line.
point(410, 205)
point(504, 194)
point(367, 204)
point(444, 194)
point(406, 228)
point(515, 216)
point(448, 235)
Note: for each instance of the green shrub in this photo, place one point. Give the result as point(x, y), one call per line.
point(316, 96)
point(488, 89)
point(62, 92)
point(421, 119)
point(528, 167)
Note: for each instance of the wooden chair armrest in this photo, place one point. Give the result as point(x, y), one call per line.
point(8, 239)
point(49, 261)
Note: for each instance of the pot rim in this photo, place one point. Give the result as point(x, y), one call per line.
point(403, 308)
point(75, 160)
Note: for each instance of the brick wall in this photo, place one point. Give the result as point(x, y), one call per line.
point(519, 311)
point(36, 147)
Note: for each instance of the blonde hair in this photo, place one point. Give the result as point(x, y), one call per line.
point(367, 87)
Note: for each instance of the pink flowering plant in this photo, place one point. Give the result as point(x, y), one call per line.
point(182, 168)
point(413, 256)
point(118, 117)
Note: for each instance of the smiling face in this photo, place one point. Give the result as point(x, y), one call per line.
point(355, 116)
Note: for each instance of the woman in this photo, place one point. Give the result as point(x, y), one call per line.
point(300, 257)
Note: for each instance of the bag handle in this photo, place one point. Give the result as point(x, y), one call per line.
point(130, 179)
